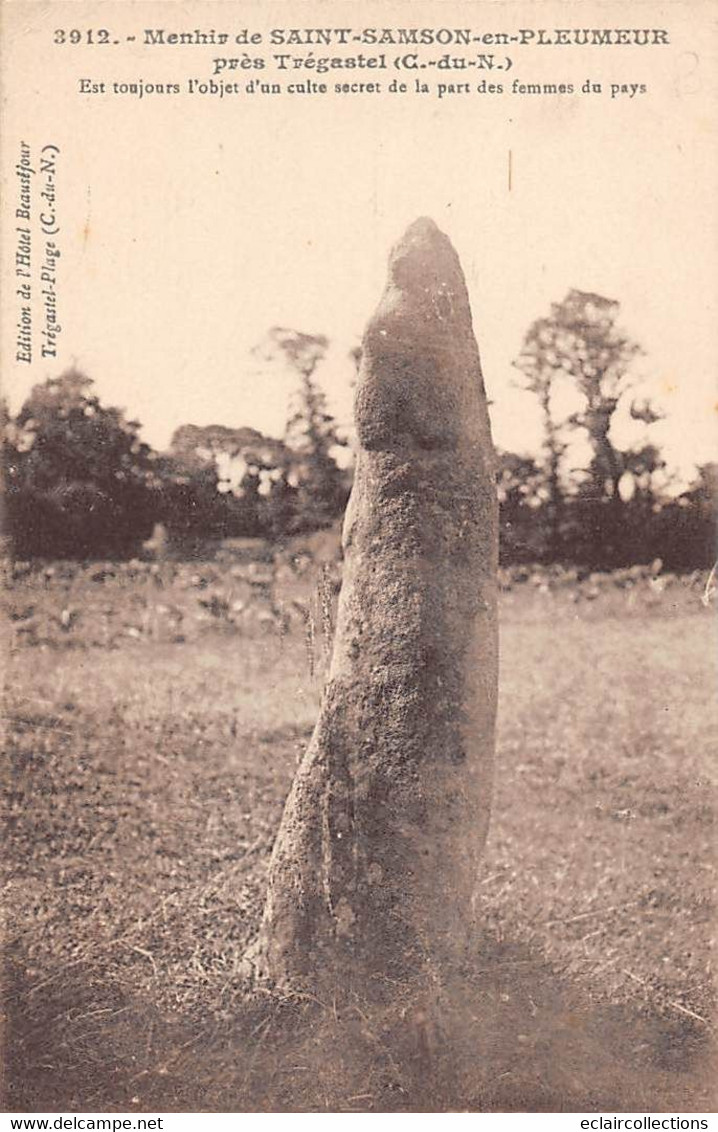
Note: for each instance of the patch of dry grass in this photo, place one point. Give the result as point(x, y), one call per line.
point(602, 844)
point(145, 782)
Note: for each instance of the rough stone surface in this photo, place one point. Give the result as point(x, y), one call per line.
point(373, 871)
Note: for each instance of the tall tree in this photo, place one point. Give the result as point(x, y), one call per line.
point(80, 482)
point(580, 344)
point(311, 431)
point(591, 348)
point(539, 363)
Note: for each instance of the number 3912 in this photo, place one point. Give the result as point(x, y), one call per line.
point(101, 35)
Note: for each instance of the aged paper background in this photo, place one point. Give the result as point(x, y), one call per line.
point(196, 198)
point(191, 222)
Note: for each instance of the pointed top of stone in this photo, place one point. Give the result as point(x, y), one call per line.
point(423, 262)
point(425, 225)
point(423, 230)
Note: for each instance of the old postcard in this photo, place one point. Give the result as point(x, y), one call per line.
point(359, 526)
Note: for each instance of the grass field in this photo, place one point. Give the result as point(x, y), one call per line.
point(154, 719)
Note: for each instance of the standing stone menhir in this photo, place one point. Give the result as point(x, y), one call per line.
point(374, 867)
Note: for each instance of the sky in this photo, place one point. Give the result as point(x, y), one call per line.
point(189, 227)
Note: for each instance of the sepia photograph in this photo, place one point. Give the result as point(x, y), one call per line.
point(358, 538)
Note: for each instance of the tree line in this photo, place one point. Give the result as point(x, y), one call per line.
point(79, 482)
